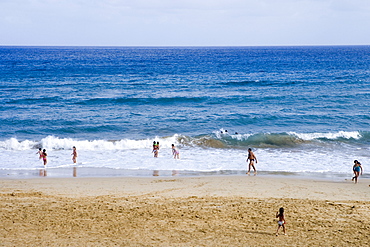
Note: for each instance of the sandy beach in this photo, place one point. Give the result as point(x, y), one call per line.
point(183, 211)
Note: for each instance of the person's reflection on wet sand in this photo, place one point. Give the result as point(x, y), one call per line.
point(74, 171)
point(155, 173)
point(43, 173)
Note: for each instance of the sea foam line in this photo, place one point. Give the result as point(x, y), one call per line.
point(56, 143)
point(331, 136)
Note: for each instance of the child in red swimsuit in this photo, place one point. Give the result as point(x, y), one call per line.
point(44, 157)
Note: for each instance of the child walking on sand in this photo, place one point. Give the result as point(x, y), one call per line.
point(281, 221)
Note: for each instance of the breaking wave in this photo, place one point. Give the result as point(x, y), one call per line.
point(218, 140)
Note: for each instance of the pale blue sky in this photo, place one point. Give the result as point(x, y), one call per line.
point(184, 22)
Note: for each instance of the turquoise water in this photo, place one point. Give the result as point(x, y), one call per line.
point(302, 109)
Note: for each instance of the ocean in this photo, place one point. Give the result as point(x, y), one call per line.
point(301, 109)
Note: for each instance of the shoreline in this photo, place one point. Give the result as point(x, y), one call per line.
point(103, 172)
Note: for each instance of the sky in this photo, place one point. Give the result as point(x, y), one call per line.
point(184, 22)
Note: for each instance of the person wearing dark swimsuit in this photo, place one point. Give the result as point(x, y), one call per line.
point(251, 158)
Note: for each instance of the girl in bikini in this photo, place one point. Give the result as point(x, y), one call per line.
point(44, 157)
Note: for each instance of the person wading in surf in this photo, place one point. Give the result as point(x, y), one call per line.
point(251, 158)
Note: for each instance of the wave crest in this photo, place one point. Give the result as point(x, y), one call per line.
point(329, 136)
point(214, 140)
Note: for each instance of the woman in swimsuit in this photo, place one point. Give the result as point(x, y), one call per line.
point(357, 170)
point(74, 153)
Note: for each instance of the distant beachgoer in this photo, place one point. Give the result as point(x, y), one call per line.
point(155, 149)
point(281, 221)
point(357, 170)
point(44, 157)
point(251, 158)
point(175, 152)
point(40, 153)
point(74, 157)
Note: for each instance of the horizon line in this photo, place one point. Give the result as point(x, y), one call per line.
point(179, 46)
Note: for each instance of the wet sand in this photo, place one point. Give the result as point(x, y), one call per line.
point(183, 211)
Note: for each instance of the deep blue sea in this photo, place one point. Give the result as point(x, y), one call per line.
point(301, 109)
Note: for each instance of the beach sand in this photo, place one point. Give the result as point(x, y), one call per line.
point(183, 211)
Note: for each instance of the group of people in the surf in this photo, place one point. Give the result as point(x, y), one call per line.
point(175, 151)
point(43, 155)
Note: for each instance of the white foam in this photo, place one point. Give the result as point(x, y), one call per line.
point(331, 136)
point(56, 143)
point(14, 144)
point(137, 154)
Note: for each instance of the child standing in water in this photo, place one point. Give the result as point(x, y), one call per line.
point(74, 153)
point(281, 221)
point(40, 153)
point(175, 152)
point(44, 157)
